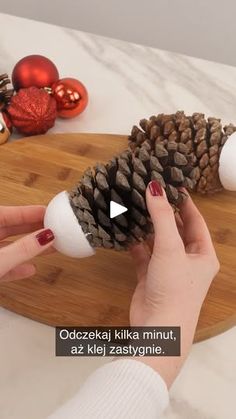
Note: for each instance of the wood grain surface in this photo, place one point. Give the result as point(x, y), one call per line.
point(97, 290)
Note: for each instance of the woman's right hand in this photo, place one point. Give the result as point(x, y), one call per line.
point(182, 264)
point(174, 278)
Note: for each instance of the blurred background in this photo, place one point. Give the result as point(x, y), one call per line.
point(201, 28)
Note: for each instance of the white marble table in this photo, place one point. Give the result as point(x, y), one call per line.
point(126, 82)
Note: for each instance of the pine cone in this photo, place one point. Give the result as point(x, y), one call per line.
point(5, 93)
point(176, 150)
point(203, 139)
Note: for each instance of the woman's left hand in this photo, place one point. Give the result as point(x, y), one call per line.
point(15, 258)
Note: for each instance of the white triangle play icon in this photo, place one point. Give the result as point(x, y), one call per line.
point(116, 209)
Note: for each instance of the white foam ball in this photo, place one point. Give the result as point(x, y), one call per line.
point(227, 164)
point(69, 236)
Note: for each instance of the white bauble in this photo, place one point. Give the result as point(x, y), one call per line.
point(227, 164)
point(69, 236)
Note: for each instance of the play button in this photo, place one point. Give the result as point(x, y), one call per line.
point(116, 209)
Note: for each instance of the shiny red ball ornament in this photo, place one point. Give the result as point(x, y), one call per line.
point(32, 111)
point(71, 97)
point(34, 70)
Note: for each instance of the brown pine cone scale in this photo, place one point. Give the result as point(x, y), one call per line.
point(5, 93)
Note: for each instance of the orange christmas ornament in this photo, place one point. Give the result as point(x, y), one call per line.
point(71, 97)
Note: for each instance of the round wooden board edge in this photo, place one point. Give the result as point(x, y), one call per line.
point(200, 335)
point(39, 138)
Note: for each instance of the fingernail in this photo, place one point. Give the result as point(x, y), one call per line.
point(155, 188)
point(45, 237)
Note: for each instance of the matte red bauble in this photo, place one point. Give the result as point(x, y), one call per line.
point(32, 111)
point(34, 70)
point(71, 97)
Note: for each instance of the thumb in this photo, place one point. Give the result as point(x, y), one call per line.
point(24, 249)
point(167, 237)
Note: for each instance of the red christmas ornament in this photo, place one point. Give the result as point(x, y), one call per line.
point(71, 97)
point(32, 111)
point(34, 70)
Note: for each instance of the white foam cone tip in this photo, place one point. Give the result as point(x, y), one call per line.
point(69, 236)
point(227, 164)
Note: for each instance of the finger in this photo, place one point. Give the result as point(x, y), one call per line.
point(24, 249)
point(150, 242)
point(46, 252)
point(166, 233)
point(13, 216)
point(141, 258)
point(25, 270)
point(19, 229)
point(197, 238)
point(49, 251)
point(179, 224)
point(5, 243)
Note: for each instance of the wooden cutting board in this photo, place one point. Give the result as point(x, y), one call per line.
point(97, 290)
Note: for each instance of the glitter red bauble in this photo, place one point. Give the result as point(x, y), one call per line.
point(71, 97)
point(34, 70)
point(32, 111)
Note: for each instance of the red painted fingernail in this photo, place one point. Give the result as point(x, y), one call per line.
point(45, 237)
point(155, 188)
